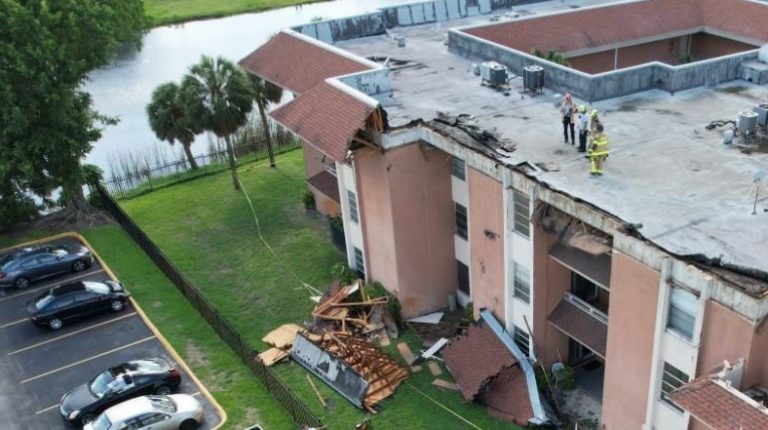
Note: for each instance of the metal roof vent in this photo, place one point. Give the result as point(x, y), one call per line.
point(747, 123)
point(762, 114)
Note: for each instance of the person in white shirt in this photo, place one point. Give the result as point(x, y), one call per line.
point(583, 127)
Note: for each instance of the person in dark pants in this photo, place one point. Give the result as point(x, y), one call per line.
point(567, 110)
point(583, 126)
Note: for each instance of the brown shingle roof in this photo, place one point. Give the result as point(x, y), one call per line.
point(326, 184)
point(475, 359)
point(581, 326)
point(326, 117)
point(507, 396)
point(719, 408)
point(297, 63)
point(599, 26)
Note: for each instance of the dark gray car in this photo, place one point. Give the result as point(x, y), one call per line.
point(23, 266)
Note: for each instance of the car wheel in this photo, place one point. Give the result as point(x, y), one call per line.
point(55, 323)
point(117, 305)
point(87, 418)
point(188, 425)
point(21, 283)
point(78, 266)
point(163, 390)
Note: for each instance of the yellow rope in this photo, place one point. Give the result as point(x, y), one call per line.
point(470, 423)
point(309, 287)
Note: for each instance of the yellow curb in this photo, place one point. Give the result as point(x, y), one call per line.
point(143, 316)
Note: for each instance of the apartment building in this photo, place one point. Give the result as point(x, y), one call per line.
point(652, 279)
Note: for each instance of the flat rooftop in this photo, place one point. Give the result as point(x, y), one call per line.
point(692, 194)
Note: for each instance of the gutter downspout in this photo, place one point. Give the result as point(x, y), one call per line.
point(539, 416)
point(661, 317)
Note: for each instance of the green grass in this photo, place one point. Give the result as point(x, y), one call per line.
point(161, 12)
point(208, 231)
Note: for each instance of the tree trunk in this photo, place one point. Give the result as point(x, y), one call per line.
point(190, 157)
point(267, 134)
point(232, 163)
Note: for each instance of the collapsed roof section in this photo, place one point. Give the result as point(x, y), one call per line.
point(720, 406)
point(298, 63)
point(327, 117)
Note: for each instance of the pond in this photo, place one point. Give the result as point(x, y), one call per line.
point(124, 88)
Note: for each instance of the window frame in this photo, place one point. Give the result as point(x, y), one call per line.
point(359, 263)
point(459, 212)
point(354, 215)
point(462, 268)
point(520, 336)
point(521, 221)
point(670, 370)
point(458, 168)
point(677, 313)
point(519, 293)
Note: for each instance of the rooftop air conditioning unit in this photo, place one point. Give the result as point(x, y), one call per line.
point(533, 78)
point(747, 123)
point(762, 114)
point(494, 74)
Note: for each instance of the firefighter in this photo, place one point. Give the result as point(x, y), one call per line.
point(598, 151)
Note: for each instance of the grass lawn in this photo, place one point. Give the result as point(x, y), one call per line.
point(162, 12)
point(240, 394)
point(207, 229)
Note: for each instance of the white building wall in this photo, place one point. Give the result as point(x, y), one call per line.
point(460, 194)
point(353, 231)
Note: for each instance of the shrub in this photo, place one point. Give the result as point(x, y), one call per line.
point(342, 273)
point(565, 378)
point(309, 200)
point(376, 289)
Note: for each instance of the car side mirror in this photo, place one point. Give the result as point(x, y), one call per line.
point(59, 257)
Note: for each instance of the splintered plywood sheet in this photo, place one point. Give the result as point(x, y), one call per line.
point(405, 351)
point(272, 356)
point(442, 383)
point(283, 336)
point(434, 368)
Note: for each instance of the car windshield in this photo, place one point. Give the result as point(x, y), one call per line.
point(101, 423)
point(5, 261)
point(96, 287)
point(100, 384)
point(43, 300)
point(162, 403)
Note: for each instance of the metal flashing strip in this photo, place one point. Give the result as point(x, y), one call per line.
point(539, 415)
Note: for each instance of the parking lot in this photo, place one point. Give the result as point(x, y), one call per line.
point(37, 366)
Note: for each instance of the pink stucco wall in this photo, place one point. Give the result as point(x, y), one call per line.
point(486, 213)
point(314, 161)
point(406, 204)
point(550, 282)
point(633, 303)
point(724, 336)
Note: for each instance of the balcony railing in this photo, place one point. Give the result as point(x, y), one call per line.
point(586, 307)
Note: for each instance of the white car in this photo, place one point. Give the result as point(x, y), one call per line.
point(174, 412)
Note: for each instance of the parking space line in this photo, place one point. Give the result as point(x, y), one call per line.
point(48, 409)
point(51, 372)
point(103, 323)
point(37, 288)
point(196, 393)
point(14, 322)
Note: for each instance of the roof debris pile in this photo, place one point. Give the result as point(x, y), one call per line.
point(336, 346)
point(486, 371)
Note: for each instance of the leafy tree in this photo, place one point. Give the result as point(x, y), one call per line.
point(265, 93)
point(48, 121)
point(221, 97)
point(170, 118)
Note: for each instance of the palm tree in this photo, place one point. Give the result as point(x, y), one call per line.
point(220, 99)
point(170, 119)
point(265, 93)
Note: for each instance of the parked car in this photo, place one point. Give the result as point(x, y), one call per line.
point(174, 412)
point(22, 267)
point(76, 300)
point(116, 384)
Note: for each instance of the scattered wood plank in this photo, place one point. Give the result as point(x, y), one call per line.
point(272, 356)
point(317, 392)
point(405, 351)
point(283, 336)
point(434, 368)
point(442, 383)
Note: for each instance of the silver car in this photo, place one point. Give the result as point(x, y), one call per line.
point(174, 412)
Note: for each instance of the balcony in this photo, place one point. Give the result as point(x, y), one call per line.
point(582, 322)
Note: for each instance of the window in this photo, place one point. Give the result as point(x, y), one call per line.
point(672, 379)
point(522, 218)
point(522, 340)
point(682, 312)
point(463, 273)
point(460, 215)
point(359, 263)
point(352, 206)
point(458, 169)
point(522, 283)
point(583, 288)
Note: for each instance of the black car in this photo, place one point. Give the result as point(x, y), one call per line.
point(116, 384)
point(76, 300)
point(21, 267)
